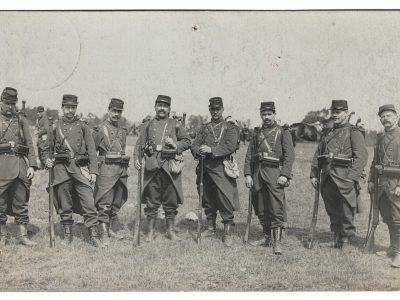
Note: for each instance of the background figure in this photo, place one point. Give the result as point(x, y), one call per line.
point(388, 146)
point(17, 165)
point(111, 190)
point(340, 157)
point(217, 141)
point(268, 169)
point(164, 140)
point(42, 125)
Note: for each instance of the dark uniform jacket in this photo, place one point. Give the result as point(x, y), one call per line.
point(110, 138)
point(80, 139)
point(279, 141)
point(388, 154)
point(346, 141)
point(12, 166)
point(152, 134)
point(42, 126)
point(226, 133)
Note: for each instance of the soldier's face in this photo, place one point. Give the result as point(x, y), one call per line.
point(162, 110)
point(339, 116)
point(69, 111)
point(114, 114)
point(8, 108)
point(389, 119)
point(268, 117)
point(216, 112)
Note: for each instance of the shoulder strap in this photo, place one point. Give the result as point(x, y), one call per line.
point(64, 140)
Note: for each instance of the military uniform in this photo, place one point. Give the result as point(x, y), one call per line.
point(75, 159)
point(111, 189)
point(388, 147)
point(342, 156)
point(220, 191)
point(42, 125)
point(16, 156)
point(270, 155)
point(160, 186)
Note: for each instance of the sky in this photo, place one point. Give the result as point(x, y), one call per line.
point(300, 59)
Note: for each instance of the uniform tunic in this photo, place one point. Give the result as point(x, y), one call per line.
point(159, 185)
point(42, 126)
point(388, 153)
point(338, 183)
point(14, 184)
point(220, 191)
point(111, 189)
point(269, 200)
point(72, 190)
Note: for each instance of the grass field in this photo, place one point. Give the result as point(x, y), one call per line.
point(185, 266)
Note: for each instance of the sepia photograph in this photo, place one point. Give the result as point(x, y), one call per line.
point(199, 150)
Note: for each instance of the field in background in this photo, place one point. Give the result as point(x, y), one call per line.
point(185, 266)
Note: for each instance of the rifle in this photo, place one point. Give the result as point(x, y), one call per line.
point(250, 205)
point(23, 110)
point(136, 230)
point(373, 220)
point(310, 240)
point(51, 181)
point(184, 120)
point(200, 208)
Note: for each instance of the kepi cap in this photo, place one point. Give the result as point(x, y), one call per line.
point(164, 99)
point(216, 102)
point(386, 107)
point(70, 100)
point(339, 105)
point(9, 95)
point(267, 106)
point(40, 109)
point(117, 104)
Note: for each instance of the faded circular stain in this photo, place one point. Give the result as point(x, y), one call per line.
point(40, 51)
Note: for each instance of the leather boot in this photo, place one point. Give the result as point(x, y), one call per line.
point(171, 230)
point(151, 223)
point(277, 236)
point(336, 240)
point(94, 237)
point(396, 244)
point(227, 239)
point(23, 236)
point(67, 233)
point(266, 240)
point(344, 243)
point(211, 228)
point(112, 233)
point(3, 234)
point(390, 252)
point(105, 237)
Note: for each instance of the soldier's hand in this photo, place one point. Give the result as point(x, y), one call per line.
point(249, 182)
point(371, 187)
point(49, 163)
point(396, 191)
point(138, 165)
point(204, 149)
point(282, 180)
point(92, 178)
point(170, 142)
point(30, 173)
point(315, 182)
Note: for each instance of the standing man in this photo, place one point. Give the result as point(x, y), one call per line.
point(42, 124)
point(341, 156)
point(164, 140)
point(75, 170)
point(388, 145)
point(111, 190)
point(17, 165)
point(245, 134)
point(216, 142)
point(268, 168)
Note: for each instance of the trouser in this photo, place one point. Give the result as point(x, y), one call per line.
point(160, 191)
point(14, 200)
point(109, 205)
point(270, 204)
point(84, 193)
point(215, 200)
point(390, 209)
point(340, 212)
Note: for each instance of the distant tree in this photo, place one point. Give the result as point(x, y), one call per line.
point(315, 116)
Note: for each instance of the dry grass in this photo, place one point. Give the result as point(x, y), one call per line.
point(185, 266)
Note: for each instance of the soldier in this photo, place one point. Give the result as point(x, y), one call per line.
point(341, 156)
point(75, 170)
point(111, 190)
point(245, 134)
point(17, 166)
point(164, 140)
point(216, 142)
point(268, 168)
point(42, 124)
point(388, 144)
